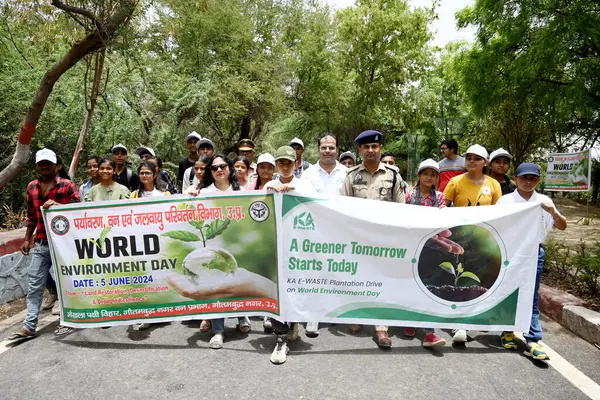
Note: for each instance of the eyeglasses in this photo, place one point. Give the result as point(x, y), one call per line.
point(215, 168)
point(443, 149)
point(145, 173)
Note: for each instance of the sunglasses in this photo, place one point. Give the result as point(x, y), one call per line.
point(215, 168)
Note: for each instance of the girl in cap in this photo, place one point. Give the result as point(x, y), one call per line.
point(242, 166)
point(265, 169)
point(424, 194)
point(221, 178)
point(473, 188)
point(150, 185)
point(108, 189)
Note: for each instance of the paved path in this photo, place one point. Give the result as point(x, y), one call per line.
point(174, 360)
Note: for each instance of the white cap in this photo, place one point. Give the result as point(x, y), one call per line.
point(142, 149)
point(45, 155)
point(202, 141)
point(266, 157)
point(297, 141)
point(193, 135)
point(429, 163)
point(500, 153)
point(478, 150)
point(118, 147)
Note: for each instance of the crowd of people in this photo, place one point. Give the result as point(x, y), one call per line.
point(477, 179)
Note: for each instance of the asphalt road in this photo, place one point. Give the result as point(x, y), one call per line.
point(174, 360)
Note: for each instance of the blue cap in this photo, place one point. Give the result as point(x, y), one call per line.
point(528, 169)
point(369, 137)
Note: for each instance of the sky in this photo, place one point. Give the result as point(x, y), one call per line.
point(444, 28)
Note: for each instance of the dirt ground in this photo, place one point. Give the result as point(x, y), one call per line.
point(14, 307)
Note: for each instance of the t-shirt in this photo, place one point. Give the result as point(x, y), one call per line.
point(449, 169)
point(326, 183)
point(463, 193)
point(115, 191)
point(143, 193)
point(131, 184)
point(547, 220)
point(213, 189)
point(301, 186)
point(189, 178)
point(183, 165)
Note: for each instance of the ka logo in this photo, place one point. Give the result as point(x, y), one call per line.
point(59, 225)
point(304, 221)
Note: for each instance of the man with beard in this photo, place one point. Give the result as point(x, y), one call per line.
point(373, 180)
point(49, 189)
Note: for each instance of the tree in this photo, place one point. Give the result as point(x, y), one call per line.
point(102, 32)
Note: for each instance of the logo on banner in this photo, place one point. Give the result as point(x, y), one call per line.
point(259, 211)
point(304, 221)
point(59, 225)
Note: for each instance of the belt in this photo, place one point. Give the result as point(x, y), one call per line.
point(43, 242)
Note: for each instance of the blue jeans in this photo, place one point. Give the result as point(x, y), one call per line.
point(535, 329)
point(218, 325)
point(41, 265)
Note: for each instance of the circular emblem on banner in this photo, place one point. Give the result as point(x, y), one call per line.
point(550, 159)
point(59, 225)
point(259, 211)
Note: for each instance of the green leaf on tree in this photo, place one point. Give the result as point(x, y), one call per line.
point(184, 236)
point(216, 228)
point(448, 267)
point(197, 224)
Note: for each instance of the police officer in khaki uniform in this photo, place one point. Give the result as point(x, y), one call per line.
point(373, 180)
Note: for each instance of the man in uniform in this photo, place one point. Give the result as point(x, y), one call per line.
point(246, 148)
point(373, 180)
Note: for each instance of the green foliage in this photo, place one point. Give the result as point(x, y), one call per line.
point(183, 236)
point(459, 273)
point(223, 262)
point(216, 228)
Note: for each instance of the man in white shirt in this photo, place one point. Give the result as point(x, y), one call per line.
point(327, 176)
point(528, 176)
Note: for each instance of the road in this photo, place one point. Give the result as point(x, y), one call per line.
point(174, 360)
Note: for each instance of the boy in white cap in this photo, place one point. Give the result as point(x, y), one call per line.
point(298, 146)
point(123, 174)
point(499, 165)
point(49, 189)
point(204, 146)
point(190, 142)
point(528, 177)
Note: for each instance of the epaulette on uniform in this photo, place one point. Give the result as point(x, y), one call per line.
point(352, 169)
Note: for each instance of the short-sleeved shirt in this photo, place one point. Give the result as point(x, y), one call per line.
point(463, 193)
point(434, 199)
point(115, 191)
point(449, 169)
point(85, 187)
point(324, 182)
point(301, 185)
point(547, 220)
point(379, 185)
point(507, 186)
point(131, 184)
point(62, 191)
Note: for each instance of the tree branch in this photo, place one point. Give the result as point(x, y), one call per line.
point(82, 11)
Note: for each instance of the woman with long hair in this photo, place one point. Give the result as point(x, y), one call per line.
point(150, 184)
point(108, 189)
point(200, 166)
point(222, 177)
point(242, 166)
point(265, 169)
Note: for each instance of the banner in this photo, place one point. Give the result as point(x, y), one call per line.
point(295, 258)
point(569, 172)
point(164, 259)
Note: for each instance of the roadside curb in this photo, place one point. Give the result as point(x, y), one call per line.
point(570, 312)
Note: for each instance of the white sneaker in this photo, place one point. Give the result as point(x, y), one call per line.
point(216, 342)
point(460, 336)
point(312, 329)
point(143, 326)
point(267, 324)
point(293, 333)
point(56, 309)
point(279, 354)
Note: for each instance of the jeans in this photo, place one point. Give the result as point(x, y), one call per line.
point(41, 265)
point(535, 329)
point(218, 325)
point(51, 285)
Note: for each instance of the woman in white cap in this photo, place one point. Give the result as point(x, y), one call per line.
point(425, 194)
point(265, 169)
point(472, 189)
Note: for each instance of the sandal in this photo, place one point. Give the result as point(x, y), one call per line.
point(63, 330)
point(205, 325)
point(216, 342)
point(244, 326)
point(20, 335)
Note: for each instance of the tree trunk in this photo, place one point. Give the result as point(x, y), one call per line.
point(92, 42)
point(98, 70)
